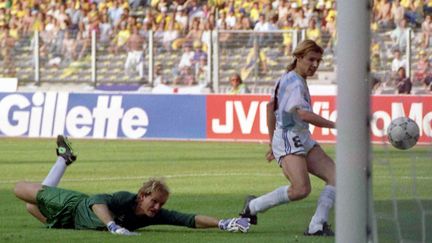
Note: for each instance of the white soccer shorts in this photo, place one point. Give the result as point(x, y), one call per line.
point(287, 142)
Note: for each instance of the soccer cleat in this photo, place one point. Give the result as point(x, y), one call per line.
point(64, 149)
point(326, 231)
point(245, 213)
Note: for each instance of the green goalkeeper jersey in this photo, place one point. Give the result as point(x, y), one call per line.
point(122, 206)
point(71, 209)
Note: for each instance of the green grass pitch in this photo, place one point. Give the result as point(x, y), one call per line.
point(210, 178)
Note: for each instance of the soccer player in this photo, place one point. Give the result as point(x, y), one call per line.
point(289, 114)
point(120, 213)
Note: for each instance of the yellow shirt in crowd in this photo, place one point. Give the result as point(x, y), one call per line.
point(254, 14)
point(122, 37)
point(314, 34)
point(405, 3)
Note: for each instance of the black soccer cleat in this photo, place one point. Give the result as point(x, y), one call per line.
point(245, 213)
point(326, 231)
point(64, 149)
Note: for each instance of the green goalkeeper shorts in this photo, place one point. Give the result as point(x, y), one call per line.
point(58, 206)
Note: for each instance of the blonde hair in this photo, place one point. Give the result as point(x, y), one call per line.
point(302, 49)
point(153, 185)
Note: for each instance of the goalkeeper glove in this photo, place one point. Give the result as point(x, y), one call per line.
point(118, 230)
point(235, 224)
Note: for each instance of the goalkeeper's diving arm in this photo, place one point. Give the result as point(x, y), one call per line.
point(104, 214)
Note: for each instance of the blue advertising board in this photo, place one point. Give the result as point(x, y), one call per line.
point(136, 116)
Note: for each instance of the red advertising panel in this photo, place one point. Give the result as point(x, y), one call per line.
point(386, 108)
point(324, 106)
point(243, 117)
point(239, 117)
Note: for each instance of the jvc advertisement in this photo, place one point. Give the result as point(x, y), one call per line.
point(201, 117)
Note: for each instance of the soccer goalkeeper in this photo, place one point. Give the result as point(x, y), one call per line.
point(119, 213)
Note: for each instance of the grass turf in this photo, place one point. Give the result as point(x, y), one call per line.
point(208, 178)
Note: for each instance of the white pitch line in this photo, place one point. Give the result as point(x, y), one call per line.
point(121, 178)
point(148, 176)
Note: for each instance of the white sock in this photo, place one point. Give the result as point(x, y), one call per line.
point(269, 200)
point(325, 203)
point(56, 173)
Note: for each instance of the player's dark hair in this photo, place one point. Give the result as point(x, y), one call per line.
point(275, 96)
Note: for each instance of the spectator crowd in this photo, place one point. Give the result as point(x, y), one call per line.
point(65, 28)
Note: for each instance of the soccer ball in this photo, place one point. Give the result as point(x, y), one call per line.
point(403, 133)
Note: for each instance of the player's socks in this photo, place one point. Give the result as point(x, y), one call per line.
point(325, 203)
point(56, 173)
point(269, 200)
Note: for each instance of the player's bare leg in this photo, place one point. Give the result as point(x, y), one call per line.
point(34, 210)
point(322, 166)
point(295, 170)
point(27, 192)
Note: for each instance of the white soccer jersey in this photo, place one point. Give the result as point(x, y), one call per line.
point(292, 134)
point(292, 94)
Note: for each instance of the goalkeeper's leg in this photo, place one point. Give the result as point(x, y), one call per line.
point(65, 157)
point(34, 210)
point(27, 191)
point(56, 173)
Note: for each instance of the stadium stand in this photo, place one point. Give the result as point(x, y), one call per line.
point(255, 37)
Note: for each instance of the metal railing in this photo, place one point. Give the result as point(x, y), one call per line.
point(259, 57)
